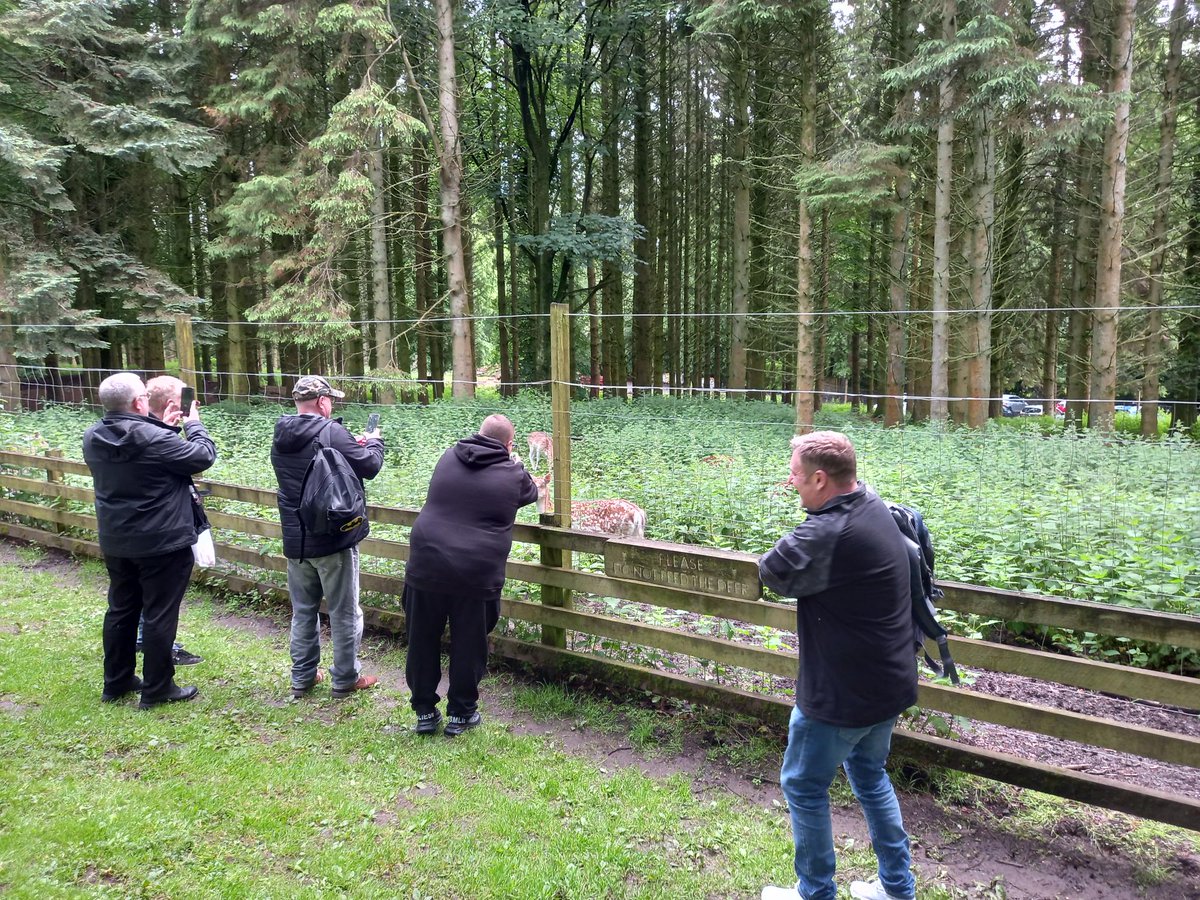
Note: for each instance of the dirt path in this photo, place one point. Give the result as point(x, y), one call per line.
point(970, 849)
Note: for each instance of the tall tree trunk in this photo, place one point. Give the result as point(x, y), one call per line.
point(979, 325)
point(1049, 389)
point(939, 385)
point(462, 353)
point(644, 364)
point(1112, 219)
point(806, 374)
point(612, 294)
point(739, 96)
point(1162, 205)
point(380, 277)
point(422, 260)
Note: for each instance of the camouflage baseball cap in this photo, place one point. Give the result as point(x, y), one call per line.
point(310, 387)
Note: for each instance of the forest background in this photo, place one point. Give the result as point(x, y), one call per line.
point(920, 205)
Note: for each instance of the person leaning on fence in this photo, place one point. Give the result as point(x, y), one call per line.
point(848, 567)
point(142, 474)
point(165, 393)
point(455, 571)
point(326, 564)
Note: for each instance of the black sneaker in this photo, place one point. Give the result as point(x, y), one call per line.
point(456, 725)
point(182, 657)
point(427, 723)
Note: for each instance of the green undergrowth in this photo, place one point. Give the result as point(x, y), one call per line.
point(243, 793)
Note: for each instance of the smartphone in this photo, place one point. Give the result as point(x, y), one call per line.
point(187, 396)
point(372, 422)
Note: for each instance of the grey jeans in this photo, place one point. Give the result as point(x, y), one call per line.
point(336, 578)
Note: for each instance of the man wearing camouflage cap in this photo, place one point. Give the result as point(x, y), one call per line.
point(321, 565)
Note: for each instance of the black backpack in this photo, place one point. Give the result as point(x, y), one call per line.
point(331, 495)
point(924, 591)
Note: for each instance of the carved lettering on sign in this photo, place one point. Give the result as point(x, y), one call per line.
point(722, 572)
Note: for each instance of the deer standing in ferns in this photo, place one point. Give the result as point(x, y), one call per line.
point(540, 444)
point(616, 516)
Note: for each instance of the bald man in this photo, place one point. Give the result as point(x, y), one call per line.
point(457, 552)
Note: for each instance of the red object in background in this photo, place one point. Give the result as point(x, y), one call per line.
point(587, 379)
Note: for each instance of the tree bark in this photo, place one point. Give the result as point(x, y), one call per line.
point(1179, 26)
point(806, 374)
point(979, 325)
point(939, 386)
point(644, 363)
point(739, 98)
point(1112, 218)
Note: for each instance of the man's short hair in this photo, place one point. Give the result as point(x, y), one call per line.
point(162, 390)
point(118, 392)
point(313, 387)
point(498, 428)
point(830, 451)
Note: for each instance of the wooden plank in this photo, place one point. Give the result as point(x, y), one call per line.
point(1123, 681)
point(31, 461)
point(1137, 739)
point(1101, 618)
point(1172, 809)
point(48, 488)
point(772, 615)
point(723, 572)
point(47, 514)
point(672, 640)
point(74, 545)
point(559, 595)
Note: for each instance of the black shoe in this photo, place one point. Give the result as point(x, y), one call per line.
point(182, 657)
point(427, 723)
point(175, 695)
point(109, 697)
point(456, 725)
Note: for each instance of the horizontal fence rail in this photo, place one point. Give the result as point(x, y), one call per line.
point(47, 500)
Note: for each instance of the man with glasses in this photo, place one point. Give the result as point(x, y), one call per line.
point(142, 474)
point(321, 565)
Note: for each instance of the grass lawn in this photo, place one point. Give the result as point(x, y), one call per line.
point(244, 793)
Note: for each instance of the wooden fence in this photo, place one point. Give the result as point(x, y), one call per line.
point(36, 505)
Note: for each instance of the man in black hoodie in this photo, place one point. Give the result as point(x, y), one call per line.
point(848, 567)
point(457, 552)
point(142, 474)
point(321, 565)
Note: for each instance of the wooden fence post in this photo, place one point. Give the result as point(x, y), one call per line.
point(185, 349)
point(56, 477)
point(560, 402)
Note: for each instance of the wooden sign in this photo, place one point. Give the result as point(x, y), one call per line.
point(725, 572)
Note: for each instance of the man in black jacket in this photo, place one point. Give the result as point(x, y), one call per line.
point(457, 552)
point(322, 565)
point(142, 474)
point(848, 567)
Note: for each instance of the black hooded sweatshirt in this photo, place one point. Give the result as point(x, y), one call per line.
point(291, 452)
point(461, 539)
point(142, 472)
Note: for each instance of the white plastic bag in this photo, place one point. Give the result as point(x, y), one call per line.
point(204, 550)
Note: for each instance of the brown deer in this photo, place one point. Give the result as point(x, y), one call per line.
point(616, 517)
point(718, 459)
point(540, 444)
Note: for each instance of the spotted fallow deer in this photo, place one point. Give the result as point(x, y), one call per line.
point(540, 444)
point(616, 517)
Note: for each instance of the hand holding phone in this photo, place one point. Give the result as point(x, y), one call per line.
point(187, 399)
point(372, 427)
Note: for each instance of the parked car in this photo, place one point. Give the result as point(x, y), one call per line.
point(1128, 406)
point(1011, 405)
point(1032, 409)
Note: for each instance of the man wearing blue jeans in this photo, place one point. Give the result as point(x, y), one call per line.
point(848, 567)
point(322, 565)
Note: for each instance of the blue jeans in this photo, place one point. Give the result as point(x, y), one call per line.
point(336, 578)
point(814, 752)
